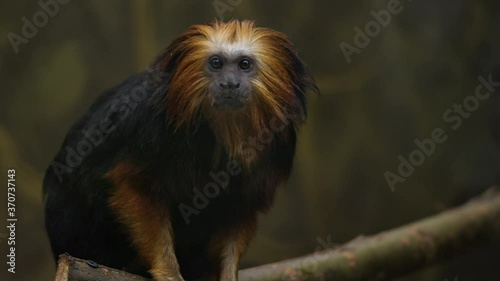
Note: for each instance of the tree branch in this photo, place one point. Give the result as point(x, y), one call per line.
point(386, 255)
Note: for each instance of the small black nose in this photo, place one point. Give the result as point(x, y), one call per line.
point(229, 85)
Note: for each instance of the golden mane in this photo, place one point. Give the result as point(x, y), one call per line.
point(279, 85)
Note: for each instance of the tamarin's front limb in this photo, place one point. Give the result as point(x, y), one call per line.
point(147, 221)
point(228, 246)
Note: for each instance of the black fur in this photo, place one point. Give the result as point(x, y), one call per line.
point(173, 162)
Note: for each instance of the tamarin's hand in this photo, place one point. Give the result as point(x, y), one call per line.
point(166, 173)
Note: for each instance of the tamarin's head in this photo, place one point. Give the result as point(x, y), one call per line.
point(236, 76)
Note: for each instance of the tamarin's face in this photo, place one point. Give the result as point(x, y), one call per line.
point(236, 76)
point(229, 73)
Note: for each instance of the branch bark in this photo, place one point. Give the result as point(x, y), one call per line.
point(386, 255)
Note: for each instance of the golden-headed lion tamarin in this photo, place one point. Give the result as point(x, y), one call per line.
point(166, 173)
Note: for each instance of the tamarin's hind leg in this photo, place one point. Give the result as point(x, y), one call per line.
point(83, 226)
point(228, 246)
point(148, 223)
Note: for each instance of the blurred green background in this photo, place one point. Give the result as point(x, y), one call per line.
point(370, 111)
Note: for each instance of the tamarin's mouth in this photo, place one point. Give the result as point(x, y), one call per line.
point(230, 101)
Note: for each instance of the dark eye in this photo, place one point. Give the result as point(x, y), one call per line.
point(215, 63)
point(245, 64)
